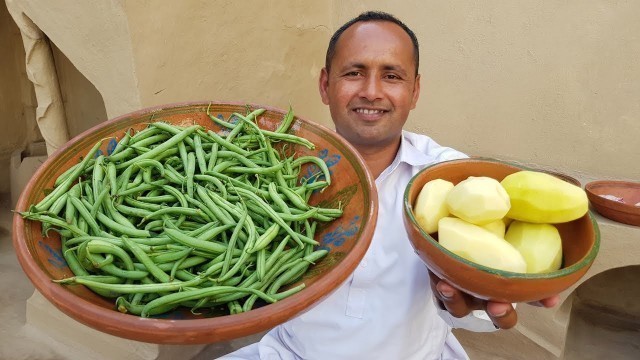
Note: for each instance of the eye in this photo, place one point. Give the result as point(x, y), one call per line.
point(392, 77)
point(353, 73)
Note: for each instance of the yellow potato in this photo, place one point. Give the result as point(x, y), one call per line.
point(478, 200)
point(539, 244)
point(497, 227)
point(430, 205)
point(538, 197)
point(476, 244)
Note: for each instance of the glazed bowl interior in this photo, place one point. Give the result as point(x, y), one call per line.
point(347, 238)
point(580, 243)
point(616, 200)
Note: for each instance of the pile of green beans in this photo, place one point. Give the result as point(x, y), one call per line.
point(184, 216)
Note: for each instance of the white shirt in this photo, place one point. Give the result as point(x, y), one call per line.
point(385, 309)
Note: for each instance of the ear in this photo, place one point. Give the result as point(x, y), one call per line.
point(323, 85)
point(416, 92)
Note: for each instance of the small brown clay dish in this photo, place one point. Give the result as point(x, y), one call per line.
point(624, 211)
point(580, 243)
point(347, 238)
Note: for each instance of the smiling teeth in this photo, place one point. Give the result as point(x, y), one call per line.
point(368, 112)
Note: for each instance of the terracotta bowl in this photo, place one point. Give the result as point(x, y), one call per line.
point(624, 211)
point(580, 243)
point(346, 238)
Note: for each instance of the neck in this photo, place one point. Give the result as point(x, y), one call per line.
point(379, 158)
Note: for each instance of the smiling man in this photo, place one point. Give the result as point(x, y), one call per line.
point(387, 308)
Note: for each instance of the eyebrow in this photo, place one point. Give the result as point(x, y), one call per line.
point(386, 67)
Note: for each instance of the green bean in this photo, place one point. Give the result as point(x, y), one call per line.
point(231, 246)
point(286, 122)
point(153, 139)
point(148, 263)
point(142, 205)
point(114, 270)
point(176, 298)
point(131, 288)
point(289, 138)
point(171, 142)
point(172, 256)
point(176, 210)
point(121, 229)
point(316, 160)
point(190, 172)
point(197, 243)
point(86, 215)
point(122, 155)
point(156, 199)
point(219, 211)
point(265, 239)
point(112, 178)
point(45, 203)
point(115, 215)
point(218, 121)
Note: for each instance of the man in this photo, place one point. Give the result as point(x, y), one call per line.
point(386, 309)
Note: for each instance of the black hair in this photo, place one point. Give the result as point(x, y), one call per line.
point(371, 16)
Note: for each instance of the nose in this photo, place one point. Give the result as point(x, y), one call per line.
point(371, 88)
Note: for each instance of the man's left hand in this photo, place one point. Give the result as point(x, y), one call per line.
point(460, 304)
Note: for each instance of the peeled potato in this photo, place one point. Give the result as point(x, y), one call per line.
point(497, 227)
point(430, 205)
point(538, 197)
point(478, 200)
point(539, 244)
point(476, 244)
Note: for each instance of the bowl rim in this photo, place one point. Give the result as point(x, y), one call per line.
point(156, 330)
point(585, 261)
point(599, 201)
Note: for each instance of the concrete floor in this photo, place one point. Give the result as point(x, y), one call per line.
point(593, 334)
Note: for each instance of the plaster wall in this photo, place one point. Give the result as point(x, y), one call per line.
point(95, 37)
point(550, 83)
point(83, 104)
point(265, 52)
point(17, 103)
point(542, 83)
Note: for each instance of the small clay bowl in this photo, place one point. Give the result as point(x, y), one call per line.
point(580, 243)
point(624, 211)
point(347, 238)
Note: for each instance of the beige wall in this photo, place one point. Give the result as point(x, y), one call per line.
point(83, 104)
point(548, 83)
point(17, 120)
point(543, 82)
point(268, 52)
point(17, 99)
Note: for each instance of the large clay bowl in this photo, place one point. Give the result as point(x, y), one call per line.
point(625, 211)
point(580, 243)
point(347, 238)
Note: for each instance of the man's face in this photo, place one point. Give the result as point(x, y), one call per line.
point(371, 85)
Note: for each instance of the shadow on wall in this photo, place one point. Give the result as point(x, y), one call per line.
point(83, 104)
point(605, 317)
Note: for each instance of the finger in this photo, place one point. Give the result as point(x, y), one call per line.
point(454, 300)
point(503, 315)
point(548, 302)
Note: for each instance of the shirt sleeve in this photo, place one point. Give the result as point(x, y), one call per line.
point(477, 321)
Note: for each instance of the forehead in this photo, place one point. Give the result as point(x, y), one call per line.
point(375, 41)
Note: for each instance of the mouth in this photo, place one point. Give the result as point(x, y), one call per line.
point(370, 114)
point(369, 111)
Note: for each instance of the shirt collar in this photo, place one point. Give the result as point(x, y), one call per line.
point(409, 154)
